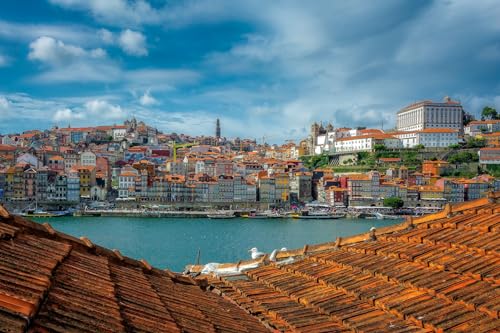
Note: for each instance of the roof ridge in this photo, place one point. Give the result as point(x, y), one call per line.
point(342, 241)
point(83, 244)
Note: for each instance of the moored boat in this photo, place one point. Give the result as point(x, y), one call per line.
point(42, 213)
point(320, 215)
point(221, 215)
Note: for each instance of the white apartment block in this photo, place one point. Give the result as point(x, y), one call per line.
point(485, 126)
point(126, 181)
point(365, 143)
point(119, 133)
point(429, 138)
point(88, 158)
point(428, 114)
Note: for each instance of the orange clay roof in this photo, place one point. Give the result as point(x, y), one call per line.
point(371, 131)
point(375, 136)
point(484, 122)
point(53, 282)
point(7, 148)
point(428, 188)
point(27, 135)
point(128, 174)
point(435, 162)
point(336, 189)
point(85, 167)
point(490, 149)
point(358, 176)
point(437, 273)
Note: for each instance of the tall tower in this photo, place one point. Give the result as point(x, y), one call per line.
point(217, 129)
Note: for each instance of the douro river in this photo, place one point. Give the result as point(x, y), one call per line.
point(174, 242)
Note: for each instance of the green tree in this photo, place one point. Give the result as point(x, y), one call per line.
point(463, 157)
point(316, 161)
point(393, 202)
point(467, 118)
point(476, 142)
point(489, 113)
point(419, 146)
point(379, 147)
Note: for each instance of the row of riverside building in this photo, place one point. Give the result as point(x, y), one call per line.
point(204, 175)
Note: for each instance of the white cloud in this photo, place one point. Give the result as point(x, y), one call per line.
point(55, 52)
point(71, 63)
point(4, 60)
point(117, 12)
point(104, 110)
point(92, 111)
point(450, 29)
point(133, 43)
point(69, 33)
point(67, 115)
point(147, 99)
point(4, 103)
point(160, 79)
point(106, 36)
point(80, 72)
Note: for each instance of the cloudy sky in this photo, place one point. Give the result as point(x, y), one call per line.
point(265, 68)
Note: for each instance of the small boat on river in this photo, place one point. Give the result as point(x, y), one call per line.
point(221, 215)
point(42, 213)
point(320, 215)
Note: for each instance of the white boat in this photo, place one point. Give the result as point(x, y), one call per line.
point(386, 217)
point(258, 216)
point(42, 213)
point(221, 215)
point(265, 215)
point(321, 216)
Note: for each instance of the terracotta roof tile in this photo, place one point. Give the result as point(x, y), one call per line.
point(51, 282)
point(437, 273)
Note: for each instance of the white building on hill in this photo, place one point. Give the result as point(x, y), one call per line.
point(428, 114)
point(430, 138)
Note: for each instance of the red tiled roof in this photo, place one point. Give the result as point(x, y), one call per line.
point(52, 282)
point(377, 136)
point(437, 273)
point(77, 129)
point(484, 122)
point(390, 159)
point(7, 148)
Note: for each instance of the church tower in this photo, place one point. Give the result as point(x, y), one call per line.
point(217, 129)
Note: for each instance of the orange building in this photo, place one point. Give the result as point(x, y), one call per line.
point(434, 168)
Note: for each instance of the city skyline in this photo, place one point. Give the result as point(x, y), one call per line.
point(265, 70)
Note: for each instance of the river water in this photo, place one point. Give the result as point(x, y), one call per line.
point(174, 242)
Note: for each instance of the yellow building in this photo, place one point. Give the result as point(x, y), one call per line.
point(14, 181)
point(430, 193)
point(282, 181)
point(86, 173)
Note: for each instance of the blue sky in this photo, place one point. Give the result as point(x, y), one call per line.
point(265, 68)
